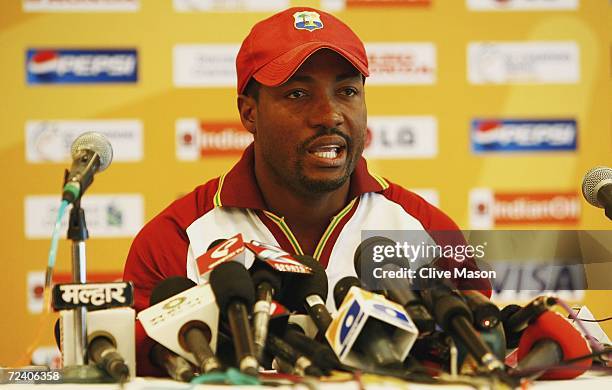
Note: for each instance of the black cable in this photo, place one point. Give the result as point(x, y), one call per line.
point(604, 351)
point(600, 320)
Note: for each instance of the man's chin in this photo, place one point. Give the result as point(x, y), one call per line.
point(320, 186)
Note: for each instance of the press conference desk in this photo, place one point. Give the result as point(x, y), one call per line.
point(587, 381)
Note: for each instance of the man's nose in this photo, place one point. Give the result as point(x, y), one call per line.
point(326, 112)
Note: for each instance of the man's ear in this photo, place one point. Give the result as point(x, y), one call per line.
point(247, 107)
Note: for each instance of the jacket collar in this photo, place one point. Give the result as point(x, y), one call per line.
point(239, 188)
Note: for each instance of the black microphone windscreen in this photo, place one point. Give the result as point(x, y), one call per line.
point(447, 307)
point(364, 257)
point(170, 287)
point(508, 311)
point(303, 286)
point(512, 338)
point(341, 288)
point(215, 243)
point(230, 281)
point(57, 333)
point(261, 272)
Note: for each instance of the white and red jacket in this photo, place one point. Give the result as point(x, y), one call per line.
point(223, 207)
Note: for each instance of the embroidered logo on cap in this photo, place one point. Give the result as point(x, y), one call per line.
point(307, 20)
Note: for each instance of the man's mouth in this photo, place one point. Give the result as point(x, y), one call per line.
point(327, 151)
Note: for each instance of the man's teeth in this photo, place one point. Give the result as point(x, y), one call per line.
point(333, 153)
point(327, 153)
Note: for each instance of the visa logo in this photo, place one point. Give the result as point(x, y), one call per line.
point(516, 135)
point(81, 66)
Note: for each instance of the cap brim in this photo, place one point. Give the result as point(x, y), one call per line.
point(279, 70)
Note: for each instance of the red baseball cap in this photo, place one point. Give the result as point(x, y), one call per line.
point(277, 46)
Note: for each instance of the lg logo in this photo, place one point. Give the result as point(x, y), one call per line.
point(404, 136)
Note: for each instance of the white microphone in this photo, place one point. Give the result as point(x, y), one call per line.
point(114, 325)
point(368, 329)
point(171, 321)
point(91, 153)
point(597, 188)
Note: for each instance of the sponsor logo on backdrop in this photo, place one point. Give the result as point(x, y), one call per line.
point(36, 284)
point(81, 5)
point(396, 137)
point(196, 139)
point(401, 63)
point(81, 66)
point(337, 5)
point(235, 5)
point(523, 282)
point(515, 135)
point(542, 62)
point(211, 65)
point(521, 5)
point(111, 215)
point(50, 140)
point(489, 209)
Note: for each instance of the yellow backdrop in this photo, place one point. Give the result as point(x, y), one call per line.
point(159, 176)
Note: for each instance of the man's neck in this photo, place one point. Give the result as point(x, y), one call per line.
point(307, 215)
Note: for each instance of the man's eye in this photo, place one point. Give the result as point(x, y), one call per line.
point(350, 91)
point(296, 94)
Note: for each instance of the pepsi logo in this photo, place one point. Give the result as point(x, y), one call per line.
point(44, 62)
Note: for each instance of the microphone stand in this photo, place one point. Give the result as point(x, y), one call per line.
point(77, 233)
point(81, 372)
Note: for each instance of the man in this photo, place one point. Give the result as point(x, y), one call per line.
point(302, 184)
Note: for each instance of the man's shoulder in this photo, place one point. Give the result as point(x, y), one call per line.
point(431, 217)
point(183, 211)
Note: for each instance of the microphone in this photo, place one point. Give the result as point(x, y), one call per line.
point(373, 341)
point(486, 313)
point(342, 288)
point(234, 290)
point(455, 317)
point(267, 285)
point(110, 335)
point(548, 341)
point(435, 350)
point(177, 368)
point(103, 352)
point(309, 291)
point(270, 263)
point(320, 354)
point(170, 287)
point(220, 251)
point(398, 290)
point(515, 319)
point(512, 338)
point(91, 153)
point(282, 350)
point(215, 243)
point(493, 337)
point(195, 335)
point(597, 188)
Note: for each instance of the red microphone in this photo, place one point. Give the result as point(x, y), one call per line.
point(548, 341)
